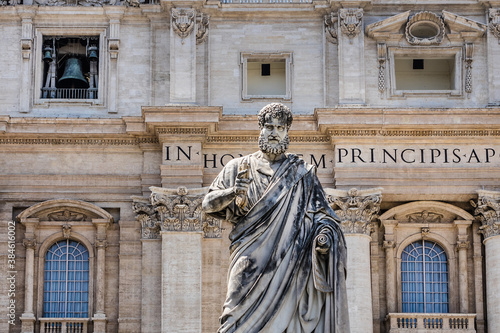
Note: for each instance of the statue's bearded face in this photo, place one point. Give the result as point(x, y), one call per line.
point(274, 137)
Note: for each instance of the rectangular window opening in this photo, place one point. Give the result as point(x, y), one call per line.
point(425, 74)
point(266, 78)
point(70, 67)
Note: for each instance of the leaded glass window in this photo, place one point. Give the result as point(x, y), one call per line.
point(424, 278)
point(66, 281)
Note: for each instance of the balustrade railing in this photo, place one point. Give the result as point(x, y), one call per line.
point(63, 325)
point(69, 93)
point(431, 322)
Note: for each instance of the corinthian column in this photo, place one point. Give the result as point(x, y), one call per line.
point(356, 209)
point(488, 212)
point(174, 217)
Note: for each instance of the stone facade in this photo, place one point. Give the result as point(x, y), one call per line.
point(121, 166)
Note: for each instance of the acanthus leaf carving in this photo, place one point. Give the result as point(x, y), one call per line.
point(183, 21)
point(202, 28)
point(174, 211)
point(488, 212)
point(494, 24)
point(351, 21)
point(331, 27)
point(356, 210)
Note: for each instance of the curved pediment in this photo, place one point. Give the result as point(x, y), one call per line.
point(65, 210)
point(426, 212)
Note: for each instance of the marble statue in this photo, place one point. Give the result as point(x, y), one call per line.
point(288, 254)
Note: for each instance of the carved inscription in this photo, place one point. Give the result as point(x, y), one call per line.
point(409, 156)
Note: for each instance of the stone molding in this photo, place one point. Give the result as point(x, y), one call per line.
point(174, 210)
point(351, 21)
point(439, 133)
point(355, 208)
point(488, 212)
point(494, 21)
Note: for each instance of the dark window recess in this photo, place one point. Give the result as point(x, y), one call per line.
point(418, 63)
point(265, 70)
point(71, 67)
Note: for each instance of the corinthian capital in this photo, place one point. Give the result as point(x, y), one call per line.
point(355, 208)
point(174, 210)
point(488, 212)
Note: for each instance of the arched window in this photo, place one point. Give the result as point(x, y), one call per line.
point(66, 281)
point(424, 278)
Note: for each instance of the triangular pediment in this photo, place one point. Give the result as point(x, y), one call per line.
point(394, 26)
point(389, 26)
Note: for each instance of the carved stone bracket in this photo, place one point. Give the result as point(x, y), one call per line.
point(66, 231)
point(488, 212)
point(331, 27)
point(425, 232)
point(172, 210)
point(351, 21)
point(202, 28)
point(494, 24)
point(183, 21)
point(355, 208)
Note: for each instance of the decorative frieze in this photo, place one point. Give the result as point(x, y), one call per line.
point(331, 27)
point(174, 210)
point(67, 215)
point(350, 21)
point(494, 21)
point(488, 212)
point(355, 208)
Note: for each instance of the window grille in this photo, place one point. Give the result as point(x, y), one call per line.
point(424, 278)
point(66, 281)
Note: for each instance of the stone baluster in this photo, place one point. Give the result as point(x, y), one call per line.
point(356, 210)
point(488, 212)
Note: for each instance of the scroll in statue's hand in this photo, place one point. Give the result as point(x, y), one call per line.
point(322, 243)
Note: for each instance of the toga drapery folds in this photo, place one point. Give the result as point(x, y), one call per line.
point(278, 281)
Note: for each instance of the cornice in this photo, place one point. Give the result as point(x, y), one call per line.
point(413, 133)
point(78, 141)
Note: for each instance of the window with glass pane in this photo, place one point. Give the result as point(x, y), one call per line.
point(66, 281)
point(424, 278)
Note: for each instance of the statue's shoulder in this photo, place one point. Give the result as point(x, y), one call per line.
point(300, 161)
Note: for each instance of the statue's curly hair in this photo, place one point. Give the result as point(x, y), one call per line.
point(275, 110)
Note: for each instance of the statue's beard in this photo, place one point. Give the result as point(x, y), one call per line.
point(277, 149)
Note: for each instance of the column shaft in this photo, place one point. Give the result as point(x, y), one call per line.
point(359, 291)
point(492, 254)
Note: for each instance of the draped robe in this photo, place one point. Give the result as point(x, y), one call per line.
point(277, 280)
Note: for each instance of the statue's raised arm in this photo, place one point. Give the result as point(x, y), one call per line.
point(287, 270)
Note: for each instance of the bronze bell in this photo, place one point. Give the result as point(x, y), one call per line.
point(93, 52)
point(47, 53)
point(73, 76)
